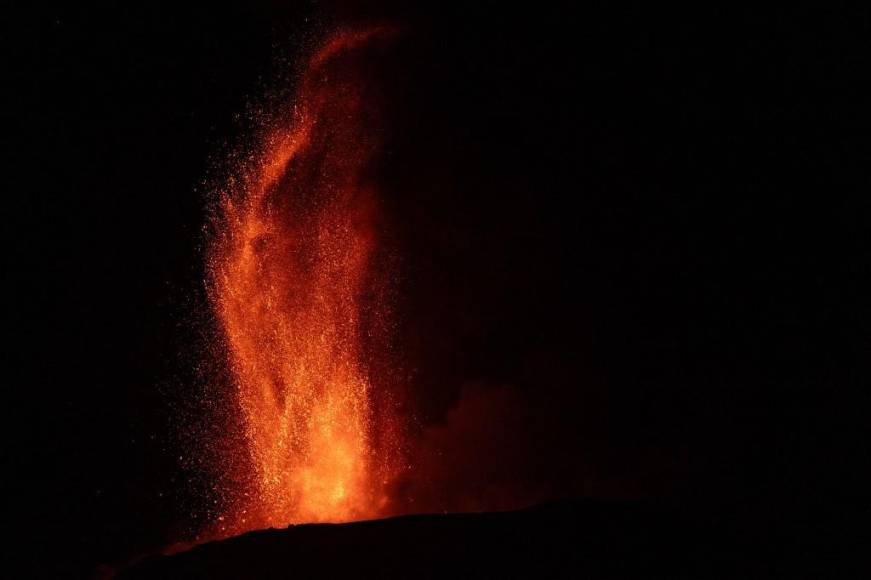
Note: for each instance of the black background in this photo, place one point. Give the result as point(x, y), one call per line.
point(635, 240)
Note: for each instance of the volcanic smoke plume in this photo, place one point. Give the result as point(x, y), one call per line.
point(298, 283)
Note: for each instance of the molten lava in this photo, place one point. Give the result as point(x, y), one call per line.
point(298, 293)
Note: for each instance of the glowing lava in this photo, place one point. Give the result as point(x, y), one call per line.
point(294, 284)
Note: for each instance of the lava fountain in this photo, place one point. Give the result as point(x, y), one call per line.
point(298, 291)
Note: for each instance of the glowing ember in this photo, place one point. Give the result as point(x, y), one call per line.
point(295, 288)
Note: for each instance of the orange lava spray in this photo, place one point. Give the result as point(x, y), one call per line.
point(296, 289)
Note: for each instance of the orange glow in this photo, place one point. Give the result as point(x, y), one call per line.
point(294, 286)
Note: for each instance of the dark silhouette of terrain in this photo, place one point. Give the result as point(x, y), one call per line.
point(573, 539)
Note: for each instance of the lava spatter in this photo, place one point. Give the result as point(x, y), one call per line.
point(294, 286)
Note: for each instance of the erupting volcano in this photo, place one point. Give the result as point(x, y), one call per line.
point(297, 281)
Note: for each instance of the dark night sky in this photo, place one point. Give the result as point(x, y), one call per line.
point(635, 241)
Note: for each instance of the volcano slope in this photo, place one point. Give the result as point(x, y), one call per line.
point(578, 539)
